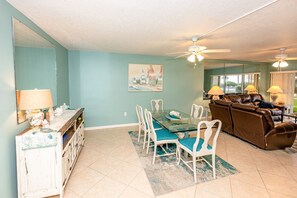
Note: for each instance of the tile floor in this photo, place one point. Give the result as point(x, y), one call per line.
point(108, 166)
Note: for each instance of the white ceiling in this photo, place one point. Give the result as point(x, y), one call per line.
point(252, 29)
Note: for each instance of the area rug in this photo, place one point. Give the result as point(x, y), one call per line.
point(166, 176)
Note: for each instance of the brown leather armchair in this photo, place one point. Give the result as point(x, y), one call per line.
point(254, 125)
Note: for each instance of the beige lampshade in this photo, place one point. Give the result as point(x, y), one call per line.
point(275, 89)
point(35, 99)
point(216, 90)
point(251, 88)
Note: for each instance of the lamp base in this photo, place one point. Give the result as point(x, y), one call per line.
point(215, 97)
point(274, 97)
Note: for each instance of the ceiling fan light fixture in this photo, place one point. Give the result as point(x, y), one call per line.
point(283, 64)
point(191, 58)
point(280, 64)
point(200, 57)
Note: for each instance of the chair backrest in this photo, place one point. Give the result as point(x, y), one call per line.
point(156, 104)
point(149, 120)
point(207, 136)
point(140, 116)
point(137, 113)
point(196, 111)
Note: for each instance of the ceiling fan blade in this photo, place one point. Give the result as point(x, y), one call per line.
point(291, 58)
point(176, 52)
point(216, 50)
point(183, 55)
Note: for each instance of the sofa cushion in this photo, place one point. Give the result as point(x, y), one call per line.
point(235, 98)
point(256, 97)
point(245, 98)
point(264, 104)
point(244, 107)
point(222, 102)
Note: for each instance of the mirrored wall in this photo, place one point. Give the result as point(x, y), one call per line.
point(35, 62)
point(232, 78)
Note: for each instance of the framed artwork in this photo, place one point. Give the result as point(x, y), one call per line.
point(145, 77)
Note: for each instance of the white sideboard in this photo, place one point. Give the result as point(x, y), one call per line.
point(45, 160)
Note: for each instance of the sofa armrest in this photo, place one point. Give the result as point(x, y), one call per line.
point(283, 128)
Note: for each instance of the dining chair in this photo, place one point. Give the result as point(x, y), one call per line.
point(143, 126)
point(196, 111)
point(198, 147)
point(156, 104)
point(160, 137)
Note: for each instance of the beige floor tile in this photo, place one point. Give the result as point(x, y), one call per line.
point(276, 170)
point(277, 195)
point(220, 187)
point(206, 194)
point(69, 194)
point(106, 188)
point(124, 173)
point(279, 184)
point(242, 166)
point(83, 181)
point(292, 171)
point(245, 190)
point(106, 165)
point(238, 157)
point(78, 167)
point(130, 192)
point(88, 156)
point(142, 184)
point(253, 178)
point(134, 159)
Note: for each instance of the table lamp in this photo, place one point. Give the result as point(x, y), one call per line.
point(34, 100)
point(215, 91)
point(251, 89)
point(274, 90)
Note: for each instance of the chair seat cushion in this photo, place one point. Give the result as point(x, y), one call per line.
point(156, 125)
point(164, 134)
point(189, 143)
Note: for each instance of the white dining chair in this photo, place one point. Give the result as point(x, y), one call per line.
point(198, 147)
point(160, 137)
point(156, 105)
point(143, 126)
point(196, 111)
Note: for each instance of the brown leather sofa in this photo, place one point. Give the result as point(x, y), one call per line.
point(254, 99)
point(253, 124)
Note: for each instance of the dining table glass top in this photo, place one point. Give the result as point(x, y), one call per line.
point(185, 124)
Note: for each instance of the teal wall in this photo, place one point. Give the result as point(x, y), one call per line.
point(262, 68)
point(9, 127)
point(99, 82)
point(34, 65)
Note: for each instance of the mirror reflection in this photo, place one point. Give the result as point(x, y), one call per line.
point(35, 62)
point(232, 78)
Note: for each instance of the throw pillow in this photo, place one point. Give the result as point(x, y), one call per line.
point(267, 105)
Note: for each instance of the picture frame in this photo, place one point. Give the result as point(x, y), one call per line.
point(145, 77)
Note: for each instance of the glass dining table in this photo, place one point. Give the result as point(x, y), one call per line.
point(185, 124)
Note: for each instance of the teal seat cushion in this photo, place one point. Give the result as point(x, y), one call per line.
point(189, 143)
point(155, 124)
point(164, 134)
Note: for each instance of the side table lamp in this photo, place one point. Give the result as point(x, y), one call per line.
point(215, 91)
point(251, 89)
point(33, 101)
point(274, 91)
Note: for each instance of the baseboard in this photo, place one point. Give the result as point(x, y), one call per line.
point(110, 126)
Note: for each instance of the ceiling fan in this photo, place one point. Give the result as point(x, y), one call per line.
point(196, 51)
point(281, 59)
